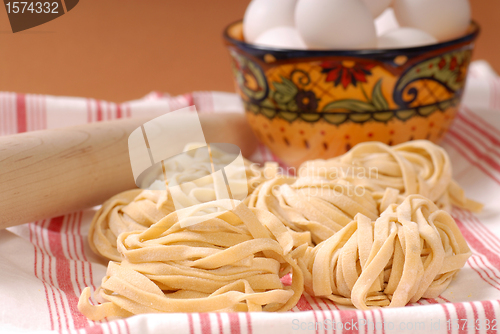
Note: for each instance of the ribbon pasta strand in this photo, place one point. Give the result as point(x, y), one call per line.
point(412, 250)
point(370, 228)
point(136, 210)
point(415, 167)
point(311, 208)
point(230, 263)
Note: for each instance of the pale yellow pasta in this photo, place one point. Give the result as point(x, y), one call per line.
point(415, 167)
point(230, 263)
point(194, 170)
point(412, 251)
point(313, 209)
point(133, 210)
point(136, 210)
point(367, 229)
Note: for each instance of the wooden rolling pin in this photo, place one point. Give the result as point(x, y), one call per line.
point(49, 173)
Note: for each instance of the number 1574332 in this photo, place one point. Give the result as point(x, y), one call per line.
point(38, 7)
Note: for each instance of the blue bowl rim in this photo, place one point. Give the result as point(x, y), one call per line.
point(290, 53)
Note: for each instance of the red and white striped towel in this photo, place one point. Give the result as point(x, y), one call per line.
point(45, 265)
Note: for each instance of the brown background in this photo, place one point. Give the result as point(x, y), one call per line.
point(120, 50)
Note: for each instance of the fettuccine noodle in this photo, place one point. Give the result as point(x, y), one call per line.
point(412, 250)
point(369, 229)
point(136, 210)
point(415, 167)
point(230, 263)
point(133, 210)
point(312, 208)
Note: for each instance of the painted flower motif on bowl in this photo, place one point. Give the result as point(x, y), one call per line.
point(309, 104)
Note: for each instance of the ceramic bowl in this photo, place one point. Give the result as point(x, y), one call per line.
point(310, 104)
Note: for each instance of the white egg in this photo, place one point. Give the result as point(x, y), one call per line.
point(281, 37)
point(386, 22)
point(262, 15)
point(405, 38)
point(443, 19)
point(376, 7)
point(335, 24)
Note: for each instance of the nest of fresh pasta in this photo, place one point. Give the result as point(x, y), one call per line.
point(370, 228)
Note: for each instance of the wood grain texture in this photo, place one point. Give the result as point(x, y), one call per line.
point(47, 173)
point(120, 50)
point(52, 172)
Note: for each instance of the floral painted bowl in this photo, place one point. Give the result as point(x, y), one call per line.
point(310, 104)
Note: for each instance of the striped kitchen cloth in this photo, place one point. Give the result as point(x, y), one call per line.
point(45, 265)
